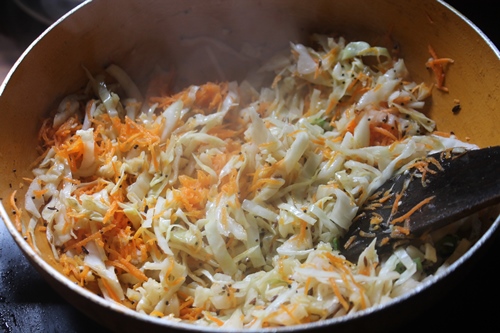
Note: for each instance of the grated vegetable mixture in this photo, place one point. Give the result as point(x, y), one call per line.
point(220, 205)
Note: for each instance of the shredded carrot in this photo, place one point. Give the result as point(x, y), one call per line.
point(303, 231)
point(332, 103)
point(16, 211)
point(352, 125)
point(111, 211)
point(210, 95)
point(213, 318)
point(383, 135)
point(188, 301)
point(110, 290)
point(339, 295)
point(402, 100)
point(156, 313)
point(395, 204)
point(424, 168)
point(286, 309)
point(40, 193)
point(443, 134)
point(307, 285)
point(96, 235)
point(83, 274)
point(281, 270)
point(127, 266)
point(413, 210)
point(191, 313)
point(187, 311)
point(349, 242)
point(376, 219)
point(384, 241)
point(438, 66)
point(398, 230)
point(386, 196)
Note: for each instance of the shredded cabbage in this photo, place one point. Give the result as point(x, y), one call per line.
point(220, 205)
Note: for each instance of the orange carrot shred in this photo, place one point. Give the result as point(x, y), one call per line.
point(16, 211)
point(214, 319)
point(413, 210)
point(438, 66)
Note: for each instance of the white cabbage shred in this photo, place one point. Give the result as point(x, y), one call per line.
point(220, 205)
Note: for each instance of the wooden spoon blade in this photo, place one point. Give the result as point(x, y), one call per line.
point(454, 186)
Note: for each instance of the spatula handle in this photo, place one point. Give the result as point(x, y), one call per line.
point(465, 183)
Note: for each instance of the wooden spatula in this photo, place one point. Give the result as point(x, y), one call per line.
point(448, 186)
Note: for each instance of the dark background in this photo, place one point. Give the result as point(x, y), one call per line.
point(28, 304)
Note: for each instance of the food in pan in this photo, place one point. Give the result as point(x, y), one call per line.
point(220, 204)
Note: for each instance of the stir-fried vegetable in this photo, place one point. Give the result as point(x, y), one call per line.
point(220, 204)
